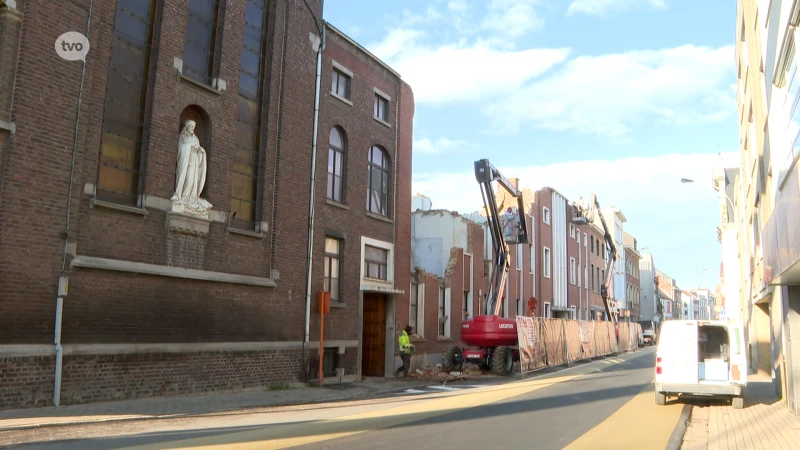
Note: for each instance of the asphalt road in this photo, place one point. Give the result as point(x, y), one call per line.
point(605, 404)
point(545, 419)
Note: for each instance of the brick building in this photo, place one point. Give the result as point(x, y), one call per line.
point(596, 261)
point(632, 283)
point(143, 299)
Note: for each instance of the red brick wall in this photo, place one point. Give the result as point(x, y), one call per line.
point(28, 382)
point(113, 307)
point(594, 258)
point(543, 198)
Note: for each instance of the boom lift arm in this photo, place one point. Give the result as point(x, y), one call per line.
point(586, 216)
point(485, 174)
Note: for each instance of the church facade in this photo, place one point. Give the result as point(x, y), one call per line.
point(158, 233)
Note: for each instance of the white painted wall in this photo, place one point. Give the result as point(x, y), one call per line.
point(434, 234)
point(731, 275)
point(560, 264)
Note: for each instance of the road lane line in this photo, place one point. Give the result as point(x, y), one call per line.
point(639, 423)
point(291, 435)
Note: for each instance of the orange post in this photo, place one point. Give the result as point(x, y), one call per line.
point(324, 305)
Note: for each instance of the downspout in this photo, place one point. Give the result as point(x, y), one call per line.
point(313, 186)
point(63, 281)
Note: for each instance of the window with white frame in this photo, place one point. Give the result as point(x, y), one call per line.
point(547, 312)
point(376, 263)
point(413, 306)
point(545, 215)
point(519, 256)
point(573, 274)
point(546, 262)
point(572, 231)
point(442, 311)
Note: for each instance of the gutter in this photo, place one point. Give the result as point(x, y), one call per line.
point(313, 187)
point(63, 281)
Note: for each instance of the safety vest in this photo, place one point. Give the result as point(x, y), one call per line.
point(405, 342)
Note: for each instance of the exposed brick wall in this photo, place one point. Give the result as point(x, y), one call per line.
point(96, 378)
point(26, 381)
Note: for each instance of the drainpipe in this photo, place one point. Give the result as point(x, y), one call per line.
point(63, 281)
point(313, 185)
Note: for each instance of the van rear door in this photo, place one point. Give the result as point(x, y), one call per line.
point(677, 348)
point(738, 354)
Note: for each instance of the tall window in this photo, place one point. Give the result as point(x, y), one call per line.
point(340, 84)
point(333, 255)
point(413, 306)
point(200, 41)
point(546, 262)
point(381, 105)
point(573, 271)
point(247, 136)
point(336, 148)
point(378, 189)
point(118, 178)
point(376, 263)
point(442, 311)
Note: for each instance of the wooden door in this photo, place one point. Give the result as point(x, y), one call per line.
point(373, 353)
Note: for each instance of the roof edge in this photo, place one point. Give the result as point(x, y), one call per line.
point(362, 48)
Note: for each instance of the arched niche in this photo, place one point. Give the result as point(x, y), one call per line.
point(203, 132)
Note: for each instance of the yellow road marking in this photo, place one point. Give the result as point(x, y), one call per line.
point(653, 425)
point(284, 436)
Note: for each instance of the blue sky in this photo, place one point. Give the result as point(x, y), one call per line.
point(621, 98)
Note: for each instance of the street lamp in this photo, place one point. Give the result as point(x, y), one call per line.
point(686, 180)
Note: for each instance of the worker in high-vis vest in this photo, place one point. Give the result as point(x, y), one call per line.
point(406, 348)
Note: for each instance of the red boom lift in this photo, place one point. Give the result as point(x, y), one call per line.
point(495, 337)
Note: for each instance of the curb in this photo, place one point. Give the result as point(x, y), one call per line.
point(676, 438)
point(210, 411)
point(276, 405)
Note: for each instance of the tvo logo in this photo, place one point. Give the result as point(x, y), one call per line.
point(72, 46)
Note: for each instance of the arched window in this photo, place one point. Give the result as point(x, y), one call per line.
point(336, 149)
point(378, 181)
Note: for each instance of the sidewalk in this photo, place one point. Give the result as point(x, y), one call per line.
point(171, 407)
point(763, 423)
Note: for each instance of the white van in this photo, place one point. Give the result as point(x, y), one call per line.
point(705, 358)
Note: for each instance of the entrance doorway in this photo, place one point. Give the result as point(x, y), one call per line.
point(373, 346)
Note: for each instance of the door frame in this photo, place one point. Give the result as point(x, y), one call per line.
point(391, 344)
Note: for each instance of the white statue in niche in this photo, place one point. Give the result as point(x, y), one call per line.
point(190, 176)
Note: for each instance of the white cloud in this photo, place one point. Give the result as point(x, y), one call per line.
point(608, 94)
point(625, 183)
point(410, 19)
point(441, 145)
point(671, 218)
point(603, 7)
point(513, 17)
point(462, 71)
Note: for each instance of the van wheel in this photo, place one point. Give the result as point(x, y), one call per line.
point(738, 402)
point(661, 399)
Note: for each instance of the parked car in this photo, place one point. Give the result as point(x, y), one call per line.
point(701, 358)
point(648, 332)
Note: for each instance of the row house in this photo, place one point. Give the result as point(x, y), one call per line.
point(670, 303)
point(632, 283)
point(155, 200)
point(651, 306)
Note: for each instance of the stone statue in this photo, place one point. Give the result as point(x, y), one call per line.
point(190, 175)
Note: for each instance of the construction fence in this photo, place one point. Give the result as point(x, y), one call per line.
point(553, 342)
